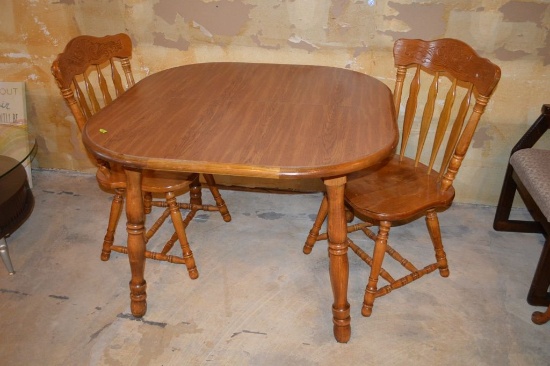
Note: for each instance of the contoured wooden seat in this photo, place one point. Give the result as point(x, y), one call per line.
point(73, 69)
point(409, 185)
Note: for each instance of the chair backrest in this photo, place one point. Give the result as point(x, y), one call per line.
point(447, 64)
point(87, 55)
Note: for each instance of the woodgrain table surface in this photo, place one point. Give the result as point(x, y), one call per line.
point(255, 120)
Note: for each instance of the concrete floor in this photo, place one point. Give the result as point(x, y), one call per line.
point(258, 300)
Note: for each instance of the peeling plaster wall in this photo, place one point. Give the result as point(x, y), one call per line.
point(354, 34)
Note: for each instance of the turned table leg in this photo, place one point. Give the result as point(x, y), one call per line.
point(338, 258)
point(136, 243)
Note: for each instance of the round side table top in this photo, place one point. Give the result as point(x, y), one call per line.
point(15, 143)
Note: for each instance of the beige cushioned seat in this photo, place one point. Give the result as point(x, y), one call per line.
point(533, 169)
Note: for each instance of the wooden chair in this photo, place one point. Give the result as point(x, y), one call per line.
point(528, 174)
point(405, 188)
point(105, 57)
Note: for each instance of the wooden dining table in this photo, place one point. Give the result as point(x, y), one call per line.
point(251, 120)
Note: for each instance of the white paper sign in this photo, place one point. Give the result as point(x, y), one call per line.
point(13, 106)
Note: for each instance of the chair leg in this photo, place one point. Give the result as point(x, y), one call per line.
point(432, 222)
point(220, 203)
point(147, 202)
point(505, 200)
point(195, 192)
point(314, 232)
point(349, 215)
point(177, 220)
point(5, 254)
point(116, 209)
point(540, 317)
point(377, 259)
point(538, 292)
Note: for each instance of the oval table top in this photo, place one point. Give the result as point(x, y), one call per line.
point(248, 119)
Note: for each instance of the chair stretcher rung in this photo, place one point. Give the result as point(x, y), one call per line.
point(152, 255)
